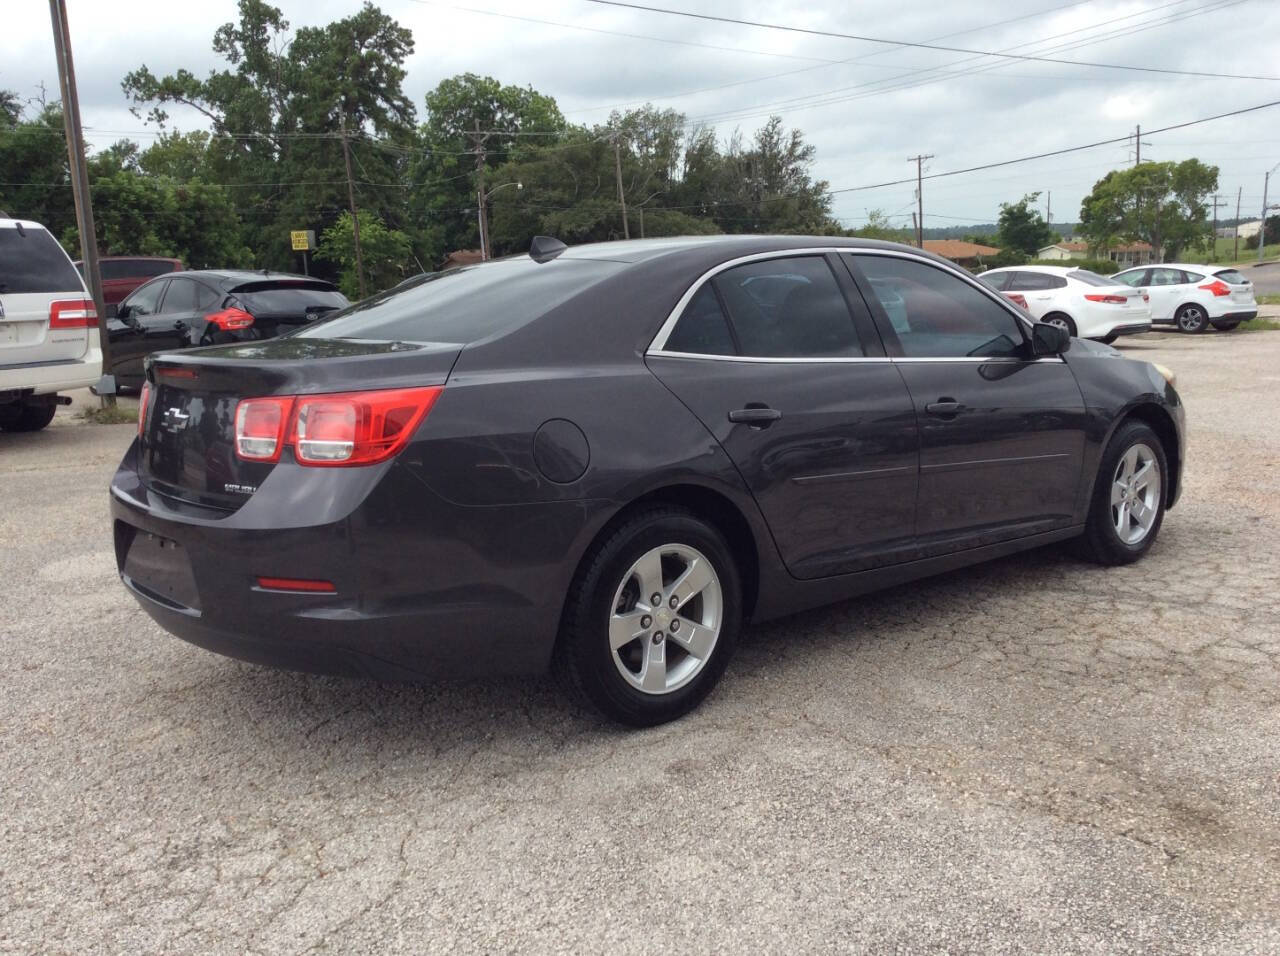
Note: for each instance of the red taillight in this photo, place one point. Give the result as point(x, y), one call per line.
point(1217, 287)
point(1108, 299)
point(352, 428)
point(144, 400)
point(72, 314)
point(260, 427)
point(230, 319)
point(296, 584)
point(1145, 297)
point(1017, 298)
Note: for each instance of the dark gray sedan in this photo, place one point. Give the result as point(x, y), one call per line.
point(612, 457)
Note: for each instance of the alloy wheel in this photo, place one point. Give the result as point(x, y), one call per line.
point(1135, 494)
point(666, 618)
point(1192, 318)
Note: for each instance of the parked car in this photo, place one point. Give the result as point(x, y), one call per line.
point(1191, 297)
point(613, 456)
point(1082, 302)
point(208, 307)
point(48, 327)
point(122, 274)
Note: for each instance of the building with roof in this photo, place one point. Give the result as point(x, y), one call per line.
point(1124, 254)
point(960, 252)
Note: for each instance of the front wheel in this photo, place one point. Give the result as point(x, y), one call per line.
point(652, 617)
point(1192, 319)
point(1128, 497)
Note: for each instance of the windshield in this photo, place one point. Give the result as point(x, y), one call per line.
point(1090, 278)
point(264, 299)
point(466, 304)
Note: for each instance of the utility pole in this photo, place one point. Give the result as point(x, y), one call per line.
point(1048, 208)
point(80, 188)
point(1262, 224)
point(915, 227)
point(622, 198)
point(919, 161)
point(351, 200)
point(1235, 256)
point(1137, 143)
point(482, 217)
point(1213, 236)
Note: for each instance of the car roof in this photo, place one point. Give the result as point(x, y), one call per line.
point(244, 276)
point(1047, 270)
point(24, 223)
point(641, 250)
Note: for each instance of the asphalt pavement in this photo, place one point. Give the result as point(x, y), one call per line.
point(1032, 755)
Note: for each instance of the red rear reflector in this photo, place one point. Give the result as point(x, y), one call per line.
point(144, 400)
point(72, 314)
point(296, 584)
point(1108, 299)
point(260, 427)
point(231, 319)
point(1217, 287)
point(169, 372)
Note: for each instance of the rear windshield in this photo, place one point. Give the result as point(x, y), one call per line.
point(1090, 278)
point(132, 268)
point(264, 298)
point(32, 261)
point(467, 304)
point(1232, 276)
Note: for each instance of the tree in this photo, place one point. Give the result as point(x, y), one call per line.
point(35, 182)
point(877, 227)
point(1021, 227)
point(387, 254)
point(1164, 204)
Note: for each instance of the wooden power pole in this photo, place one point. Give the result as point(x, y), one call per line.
point(351, 200)
point(622, 198)
point(919, 161)
point(482, 215)
point(80, 187)
point(1235, 257)
point(1213, 236)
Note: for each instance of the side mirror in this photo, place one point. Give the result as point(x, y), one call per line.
point(122, 312)
point(1049, 339)
point(113, 310)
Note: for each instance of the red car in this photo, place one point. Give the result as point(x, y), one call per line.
point(122, 274)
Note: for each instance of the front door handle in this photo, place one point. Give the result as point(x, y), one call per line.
point(757, 416)
point(945, 408)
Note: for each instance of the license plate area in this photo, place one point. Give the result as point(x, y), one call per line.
point(160, 568)
point(8, 333)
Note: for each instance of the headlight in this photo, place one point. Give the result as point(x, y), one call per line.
point(1165, 373)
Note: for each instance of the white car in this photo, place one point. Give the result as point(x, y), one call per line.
point(48, 327)
point(1192, 297)
point(1084, 303)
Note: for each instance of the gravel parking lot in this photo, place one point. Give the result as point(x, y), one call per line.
point(1034, 754)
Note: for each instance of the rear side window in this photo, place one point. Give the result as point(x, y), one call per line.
point(181, 296)
point(790, 307)
point(1036, 282)
point(466, 304)
point(997, 280)
point(1232, 276)
point(32, 261)
point(263, 299)
point(1190, 277)
point(703, 328)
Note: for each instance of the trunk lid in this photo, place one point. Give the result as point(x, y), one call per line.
point(187, 446)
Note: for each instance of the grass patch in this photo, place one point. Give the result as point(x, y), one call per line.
point(111, 415)
point(1260, 325)
point(1270, 298)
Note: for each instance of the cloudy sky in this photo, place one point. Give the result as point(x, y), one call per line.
point(865, 106)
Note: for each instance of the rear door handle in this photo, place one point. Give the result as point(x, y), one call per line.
point(757, 416)
point(945, 408)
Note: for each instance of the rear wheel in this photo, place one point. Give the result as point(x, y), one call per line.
point(1192, 318)
point(26, 418)
point(1225, 326)
point(652, 618)
point(1128, 497)
point(1062, 321)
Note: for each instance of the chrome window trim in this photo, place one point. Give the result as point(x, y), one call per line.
point(657, 346)
point(771, 360)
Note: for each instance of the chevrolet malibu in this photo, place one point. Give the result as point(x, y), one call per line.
point(610, 458)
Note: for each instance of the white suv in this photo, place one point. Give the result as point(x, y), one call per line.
point(48, 327)
point(1082, 302)
point(1192, 297)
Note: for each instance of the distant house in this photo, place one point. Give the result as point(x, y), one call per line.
point(1131, 254)
point(462, 257)
point(1247, 230)
point(960, 252)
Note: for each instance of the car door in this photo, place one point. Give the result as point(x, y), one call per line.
point(1166, 291)
point(798, 391)
point(130, 331)
point(182, 311)
point(1002, 433)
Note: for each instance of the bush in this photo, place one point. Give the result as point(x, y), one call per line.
point(1103, 267)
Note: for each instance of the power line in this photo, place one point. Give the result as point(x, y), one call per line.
point(929, 46)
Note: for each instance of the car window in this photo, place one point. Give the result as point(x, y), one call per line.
point(1090, 278)
point(703, 328)
point(790, 307)
point(1232, 276)
point(1035, 282)
point(206, 299)
point(1190, 277)
point(1135, 277)
point(32, 261)
point(997, 280)
point(939, 315)
point(181, 296)
point(1166, 277)
point(146, 300)
point(292, 298)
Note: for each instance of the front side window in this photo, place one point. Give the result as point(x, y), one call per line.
point(146, 301)
point(1133, 278)
point(1035, 282)
point(1166, 277)
point(938, 315)
point(789, 307)
point(997, 280)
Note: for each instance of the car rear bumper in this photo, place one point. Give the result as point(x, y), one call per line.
point(1133, 328)
point(445, 593)
point(1243, 316)
point(44, 378)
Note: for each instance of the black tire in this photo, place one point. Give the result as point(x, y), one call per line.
point(1108, 339)
point(1101, 541)
point(1191, 318)
point(1062, 319)
point(585, 658)
point(31, 418)
point(1225, 326)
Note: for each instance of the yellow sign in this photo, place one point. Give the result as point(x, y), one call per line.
point(302, 239)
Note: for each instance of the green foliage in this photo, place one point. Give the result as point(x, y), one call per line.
point(1164, 204)
point(1021, 227)
point(878, 227)
point(35, 182)
point(1103, 267)
point(1005, 257)
point(387, 254)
